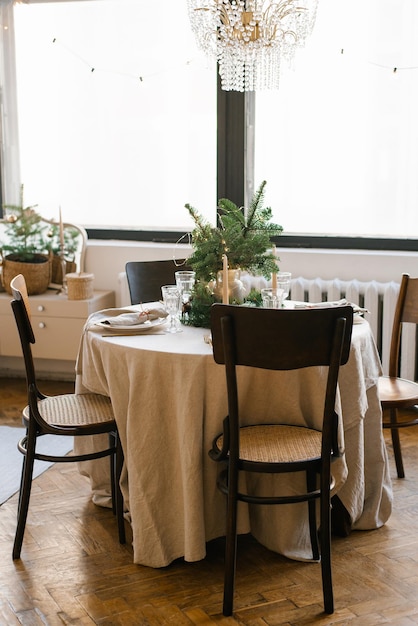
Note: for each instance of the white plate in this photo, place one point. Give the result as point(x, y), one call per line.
point(132, 328)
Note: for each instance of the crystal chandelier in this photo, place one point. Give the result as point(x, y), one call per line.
point(250, 38)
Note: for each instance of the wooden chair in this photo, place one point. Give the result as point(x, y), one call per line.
point(145, 278)
point(279, 340)
point(397, 393)
point(68, 414)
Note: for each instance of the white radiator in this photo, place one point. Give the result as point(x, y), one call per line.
point(378, 298)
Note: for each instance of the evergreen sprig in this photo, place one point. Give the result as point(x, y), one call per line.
point(25, 233)
point(244, 236)
point(28, 235)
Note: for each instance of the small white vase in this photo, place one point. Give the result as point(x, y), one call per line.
point(236, 288)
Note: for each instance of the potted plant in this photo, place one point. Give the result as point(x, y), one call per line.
point(25, 249)
point(37, 247)
point(243, 235)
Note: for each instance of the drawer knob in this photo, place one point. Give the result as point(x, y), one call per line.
point(41, 307)
point(42, 325)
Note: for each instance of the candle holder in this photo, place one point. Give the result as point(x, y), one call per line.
point(64, 287)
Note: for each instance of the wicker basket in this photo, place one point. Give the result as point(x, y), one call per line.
point(70, 266)
point(79, 286)
point(37, 275)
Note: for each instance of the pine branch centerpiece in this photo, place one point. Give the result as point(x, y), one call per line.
point(243, 235)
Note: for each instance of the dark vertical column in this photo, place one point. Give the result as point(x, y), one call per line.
point(231, 145)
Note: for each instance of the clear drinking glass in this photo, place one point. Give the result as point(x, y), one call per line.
point(272, 297)
point(185, 281)
point(283, 283)
point(173, 305)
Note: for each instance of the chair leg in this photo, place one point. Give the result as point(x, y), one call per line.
point(313, 530)
point(396, 445)
point(119, 457)
point(325, 540)
point(113, 440)
point(230, 546)
point(24, 495)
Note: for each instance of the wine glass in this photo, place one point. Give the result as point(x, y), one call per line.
point(283, 284)
point(272, 297)
point(185, 281)
point(172, 303)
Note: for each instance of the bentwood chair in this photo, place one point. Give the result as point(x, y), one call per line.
point(70, 415)
point(397, 393)
point(145, 278)
point(279, 340)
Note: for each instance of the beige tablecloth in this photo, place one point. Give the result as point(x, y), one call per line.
point(169, 399)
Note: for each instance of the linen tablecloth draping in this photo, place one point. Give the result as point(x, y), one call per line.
point(169, 399)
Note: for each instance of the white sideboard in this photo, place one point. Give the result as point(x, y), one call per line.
point(57, 323)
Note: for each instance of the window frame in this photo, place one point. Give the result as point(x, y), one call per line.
point(235, 122)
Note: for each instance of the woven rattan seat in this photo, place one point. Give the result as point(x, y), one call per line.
point(71, 410)
point(70, 415)
point(277, 443)
point(279, 340)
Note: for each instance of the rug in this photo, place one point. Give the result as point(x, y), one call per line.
point(11, 458)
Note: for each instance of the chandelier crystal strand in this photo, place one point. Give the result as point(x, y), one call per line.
point(251, 38)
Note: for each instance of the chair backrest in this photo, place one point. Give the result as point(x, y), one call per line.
point(20, 307)
point(145, 278)
point(279, 339)
point(282, 340)
point(406, 311)
point(19, 290)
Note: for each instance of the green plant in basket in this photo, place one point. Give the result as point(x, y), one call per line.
point(244, 235)
point(25, 234)
point(71, 241)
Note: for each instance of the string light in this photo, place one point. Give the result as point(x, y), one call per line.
point(395, 69)
point(392, 68)
point(141, 78)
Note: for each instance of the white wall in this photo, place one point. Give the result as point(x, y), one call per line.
point(106, 259)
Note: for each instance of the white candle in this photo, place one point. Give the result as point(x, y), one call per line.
point(274, 275)
point(225, 298)
point(61, 235)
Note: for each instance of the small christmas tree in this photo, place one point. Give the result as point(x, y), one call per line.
point(25, 233)
point(243, 235)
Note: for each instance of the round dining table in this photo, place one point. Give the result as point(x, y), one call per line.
point(169, 400)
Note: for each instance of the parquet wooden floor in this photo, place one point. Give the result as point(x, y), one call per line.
point(73, 570)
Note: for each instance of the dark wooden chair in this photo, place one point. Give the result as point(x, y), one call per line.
point(145, 278)
point(67, 414)
point(397, 393)
point(279, 340)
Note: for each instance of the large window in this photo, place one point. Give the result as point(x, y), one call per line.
point(117, 119)
point(116, 113)
point(338, 142)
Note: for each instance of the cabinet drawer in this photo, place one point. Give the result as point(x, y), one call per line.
point(58, 305)
point(9, 337)
point(55, 338)
point(57, 324)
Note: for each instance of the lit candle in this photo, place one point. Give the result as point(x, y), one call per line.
point(274, 275)
point(225, 298)
point(61, 235)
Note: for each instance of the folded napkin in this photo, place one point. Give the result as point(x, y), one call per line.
point(324, 305)
point(133, 318)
